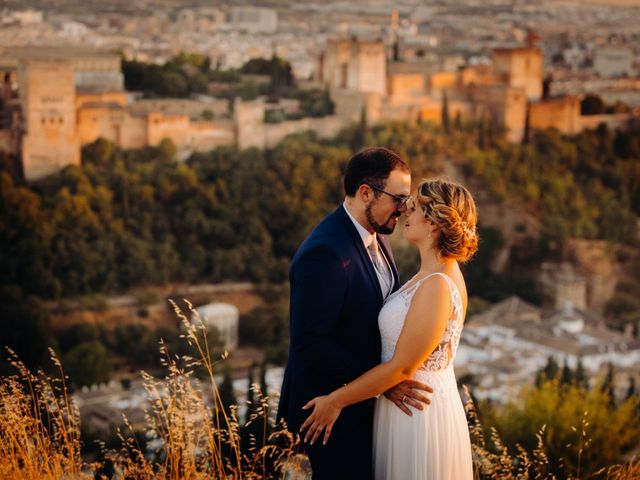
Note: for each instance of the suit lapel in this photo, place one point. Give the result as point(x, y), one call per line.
point(362, 252)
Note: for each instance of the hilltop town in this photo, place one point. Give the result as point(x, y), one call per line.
point(518, 66)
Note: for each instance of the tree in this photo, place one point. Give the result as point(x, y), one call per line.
point(607, 387)
point(77, 334)
point(612, 431)
point(592, 105)
point(457, 121)
point(250, 390)
point(359, 139)
point(207, 114)
point(25, 241)
point(279, 72)
point(87, 364)
point(526, 136)
point(445, 112)
point(631, 391)
point(25, 327)
point(580, 378)
point(81, 248)
point(257, 428)
point(548, 372)
point(264, 326)
point(316, 102)
point(252, 429)
point(566, 377)
point(263, 378)
point(225, 390)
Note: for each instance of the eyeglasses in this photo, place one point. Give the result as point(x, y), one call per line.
point(401, 200)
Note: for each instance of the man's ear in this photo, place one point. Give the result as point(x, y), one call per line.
point(365, 192)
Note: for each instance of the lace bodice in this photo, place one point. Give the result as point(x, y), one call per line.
point(392, 316)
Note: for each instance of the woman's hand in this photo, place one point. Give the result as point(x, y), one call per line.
point(324, 415)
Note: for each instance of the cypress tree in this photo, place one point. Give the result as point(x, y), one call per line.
point(580, 378)
point(445, 112)
point(551, 369)
point(227, 395)
point(263, 379)
point(567, 376)
point(631, 391)
point(608, 386)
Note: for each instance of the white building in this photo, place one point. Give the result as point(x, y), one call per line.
point(223, 317)
point(613, 62)
point(74, 29)
point(254, 19)
point(506, 345)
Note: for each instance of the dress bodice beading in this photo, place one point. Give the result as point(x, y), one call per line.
point(392, 316)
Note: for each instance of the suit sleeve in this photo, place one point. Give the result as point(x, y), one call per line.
point(319, 288)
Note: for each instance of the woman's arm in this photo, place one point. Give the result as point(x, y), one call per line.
point(422, 331)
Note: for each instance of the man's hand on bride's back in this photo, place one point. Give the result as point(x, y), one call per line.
point(409, 393)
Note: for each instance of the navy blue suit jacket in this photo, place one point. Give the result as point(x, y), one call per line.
point(335, 301)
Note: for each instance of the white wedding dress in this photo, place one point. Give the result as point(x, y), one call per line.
point(433, 443)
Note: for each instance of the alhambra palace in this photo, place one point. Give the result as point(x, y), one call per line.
point(54, 100)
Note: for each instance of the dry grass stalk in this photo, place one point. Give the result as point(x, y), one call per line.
point(199, 437)
point(39, 426)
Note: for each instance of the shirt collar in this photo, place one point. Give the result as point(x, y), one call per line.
point(367, 238)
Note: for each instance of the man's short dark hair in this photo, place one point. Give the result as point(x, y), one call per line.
point(371, 166)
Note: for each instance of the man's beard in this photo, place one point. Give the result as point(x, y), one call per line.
point(377, 227)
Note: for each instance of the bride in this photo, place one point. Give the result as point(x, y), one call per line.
point(420, 327)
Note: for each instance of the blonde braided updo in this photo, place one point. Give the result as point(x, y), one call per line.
point(451, 208)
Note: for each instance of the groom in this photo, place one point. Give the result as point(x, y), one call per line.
point(340, 277)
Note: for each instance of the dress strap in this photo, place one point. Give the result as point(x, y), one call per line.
point(446, 277)
point(416, 284)
point(419, 282)
point(454, 293)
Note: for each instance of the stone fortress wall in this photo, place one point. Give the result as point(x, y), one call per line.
point(56, 99)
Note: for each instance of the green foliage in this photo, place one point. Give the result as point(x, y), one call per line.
point(77, 334)
point(133, 217)
point(517, 279)
point(134, 344)
point(181, 76)
point(225, 76)
point(87, 364)
point(476, 305)
point(25, 327)
point(247, 90)
point(278, 70)
point(126, 217)
point(583, 433)
point(315, 103)
point(278, 115)
point(581, 184)
point(267, 327)
point(264, 326)
point(25, 239)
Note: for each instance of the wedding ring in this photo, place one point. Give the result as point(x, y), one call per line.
point(403, 397)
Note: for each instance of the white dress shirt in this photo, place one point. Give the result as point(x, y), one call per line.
point(386, 284)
